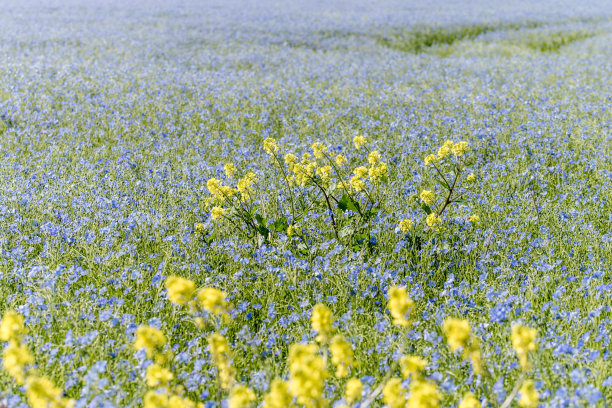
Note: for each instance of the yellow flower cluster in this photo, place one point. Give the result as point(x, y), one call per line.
point(353, 391)
point(406, 225)
point(412, 366)
point(221, 357)
point(357, 180)
point(393, 393)
point(279, 396)
point(150, 339)
point(457, 149)
point(16, 358)
point(433, 221)
point(319, 150)
point(530, 398)
point(523, 341)
point(158, 376)
point(342, 355)
point(230, 170)
point(474, 219)
point(359, 141)
point(321, 320)
point(428, 197)
point(324, 174)
point(400, 305)
point(161, 399)
point(458, 335)
point(340, 160)
point(245, 186)
point(423, 394)
point(270, 146)
point(469, 400)
point(307, 374)
point(180, 290)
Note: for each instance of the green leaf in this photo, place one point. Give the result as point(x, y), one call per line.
point(260, 220)
point(280, 225)
point(348, 203)
point(426, 208)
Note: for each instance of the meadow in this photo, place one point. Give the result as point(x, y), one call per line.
point(272, 204)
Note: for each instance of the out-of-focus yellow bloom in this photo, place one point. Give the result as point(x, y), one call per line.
point(394, 394)
point(154, 399)
point(412, 366)
point(240, 396)
point(469, 400)
point(14, 359)
point(158, 376)
point(457, 332)
point(212, 300)
point(149, 338)
point(474, 219)
point(42, 393)
point(374, 158)
point(423, 394)
point(406, 225)
point(230, 169)
point(428, 197)
point(459, 149)
point(353, 391)
point(445, 150)
point(530, 398)
point(471, 178)
point(378, 172)
point(180, 290)
point(221, 357)
point(359, 141)
point(307, 374)
point(12, 327)
point(340, 160)
point(400, 305)
point(177, 402)
point(433, 221)
point(321, 320)
point(270, 145)
point(523, 341)
point(325, 174)
point(318, 149)
point(473, 353)
point(217, 212)
point(279, 396)
point(429, 159)
point(342, 355)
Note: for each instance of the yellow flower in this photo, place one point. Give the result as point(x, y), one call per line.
point(270, 145)
point(378, 172)
point(307, 374)
point(472, 352)
point(530, 397)
point(240, 396)
point(406, 225)
point(359, 141)
point(361, 172)
point(279, 396)
point(393, 393)
point(445, 150)
point(218, 190)
point(212, 300)
point(433, 221)
point(459, 148)
point(423, 394)
point(457, 332)
point(428, 197)
point(412, 366)
point(523, 341)
point(200, 228)
point(353, 391)
point(400, 305)
point(177, 402)
point(154, 399)
point(149, 338)
point(230, 169)
point(357, 184)
point(469, 401)
point(42, 393)
point(429, 159)
point(318, 149)
point(374, 158)
point(220, 355)
point(158, 376)
point(325, 174)
point(290, 161)
point(217, 212)
point(474, 219)
point(245, 185)
point(321, 320)
point(342, 355)
point(14, 359)
point(12, 327)
point(340, 160)
point(180, 290)
point(471, 178)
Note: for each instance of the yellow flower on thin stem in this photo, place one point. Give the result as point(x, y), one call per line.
point(359, 141)
point(393, 393)
point(428, 197)
point(406, 225)
point(353, 391)
point(212, 300)
point(523, 341)
point(321, 320)
point(342, 355)
point(457, 332)
point(149, 338)
point(433, 221)
point(240, 396)
point(530, 398)
point(412, 366)
point(270, 146)
point(180, 290)
point(12, 327)
point(469, 400)
point(400, 305)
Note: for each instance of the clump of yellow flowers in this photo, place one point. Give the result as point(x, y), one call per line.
point(17, 359)
point(400, 305)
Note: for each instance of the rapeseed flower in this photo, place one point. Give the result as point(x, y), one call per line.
point(149, 338)
point(428, 197)
point(429, 159)
point(412, 366)
point(321, 320)
point(307, 374)
point(279, 396)
point(459, 148)
point(240, 396)
point(155, 399)
point(15, 358)
point(359, 141)
point(180, 290)
point(423, 394)
point(42, 393)
point(230, 169)
point(374, 158)
point(353, 391)
point(393, 393)
point(469, 400)
point(217, 212)
point(342, 355)
point(530, 398)
point(220, 354)
point(12, 327)
point(318, 150)
point(158, 376)
point(523, 341)
point(340, 160)
point(270, 146)
point(445, 149)
point(433, 221)
point(457, 332)
point(400, 305)
point(406, 225)
point(212, 300)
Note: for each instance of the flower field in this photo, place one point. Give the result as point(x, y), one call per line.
point(305, 204)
